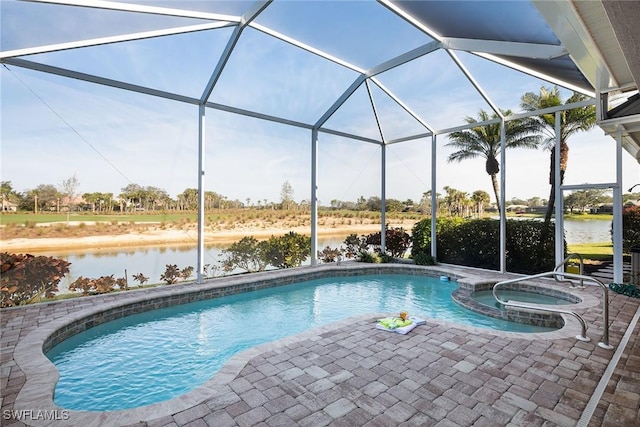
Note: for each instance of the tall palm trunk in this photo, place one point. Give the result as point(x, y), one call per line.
point(493, 167)
point(564, 158)
point(496, 189)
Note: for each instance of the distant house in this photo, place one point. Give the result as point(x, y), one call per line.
point(518, 209)
point(605, 208)
point(77, 203)
point(537, 209)
point(7, 206)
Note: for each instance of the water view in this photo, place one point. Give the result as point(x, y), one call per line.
point(591, 231)
point(152, 261)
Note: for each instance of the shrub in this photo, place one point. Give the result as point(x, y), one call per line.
point(140, 278)
point(386, 258)
point(186, 272)
point(526, 251)
point(122, 284)
point(83, 284)
point(354, 246)
point(290, 250)
point(170, 274)
point(472, 243)
point(101, 285)
point(105, 284)
point(397, 241)
point(475, 243)
point(630, 228)
point(173, 273)
point(329, 254)
point(423, 258)
point(421, 233)
point(248, 254)
point(25, 278)
point(368, 257)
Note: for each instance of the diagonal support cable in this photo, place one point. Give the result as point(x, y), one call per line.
point(375, 111)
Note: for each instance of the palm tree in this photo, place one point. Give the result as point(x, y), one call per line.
point(484, 141)
point(455, 201)
point(572, 121)
point(480, 198)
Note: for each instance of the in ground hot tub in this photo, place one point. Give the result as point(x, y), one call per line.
point(487, 298)
point(479, 298)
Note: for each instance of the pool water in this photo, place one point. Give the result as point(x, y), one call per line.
point(487, 298)
point(161, 354)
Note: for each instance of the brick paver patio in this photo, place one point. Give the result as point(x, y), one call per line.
point(351, 374)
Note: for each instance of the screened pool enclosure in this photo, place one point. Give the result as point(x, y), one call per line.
point(382, 73)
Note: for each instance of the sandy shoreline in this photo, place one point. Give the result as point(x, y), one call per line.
point(172, 237)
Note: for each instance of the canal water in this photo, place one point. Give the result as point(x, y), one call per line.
point(152, 261)
point(591, 231)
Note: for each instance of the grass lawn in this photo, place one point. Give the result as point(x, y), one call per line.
point(225, 215)
point(587, 216)
point(602, 251)
point(40, 218)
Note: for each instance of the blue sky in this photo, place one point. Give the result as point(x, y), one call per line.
point(53, 127)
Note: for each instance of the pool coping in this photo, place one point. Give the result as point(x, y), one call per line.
point(41, 375)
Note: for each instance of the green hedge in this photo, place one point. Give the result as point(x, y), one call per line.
point(476, 243)
point(630, 228)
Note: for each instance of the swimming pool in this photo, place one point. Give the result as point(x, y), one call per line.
point(160, 354)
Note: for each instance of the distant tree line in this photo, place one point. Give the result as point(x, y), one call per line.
point(134, 197)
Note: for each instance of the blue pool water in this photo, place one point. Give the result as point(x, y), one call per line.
point(487, 298)
point(161, 354)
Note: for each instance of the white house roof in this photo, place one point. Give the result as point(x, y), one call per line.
point(603, 40)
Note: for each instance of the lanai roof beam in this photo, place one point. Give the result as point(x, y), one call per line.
point(154, 10)
point(402, 104)
point(524, 50)
point(112, 39)
point(306, 47)
point(23, 63)
point(246, 19)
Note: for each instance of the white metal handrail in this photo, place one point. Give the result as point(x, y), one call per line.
point(605, 303)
